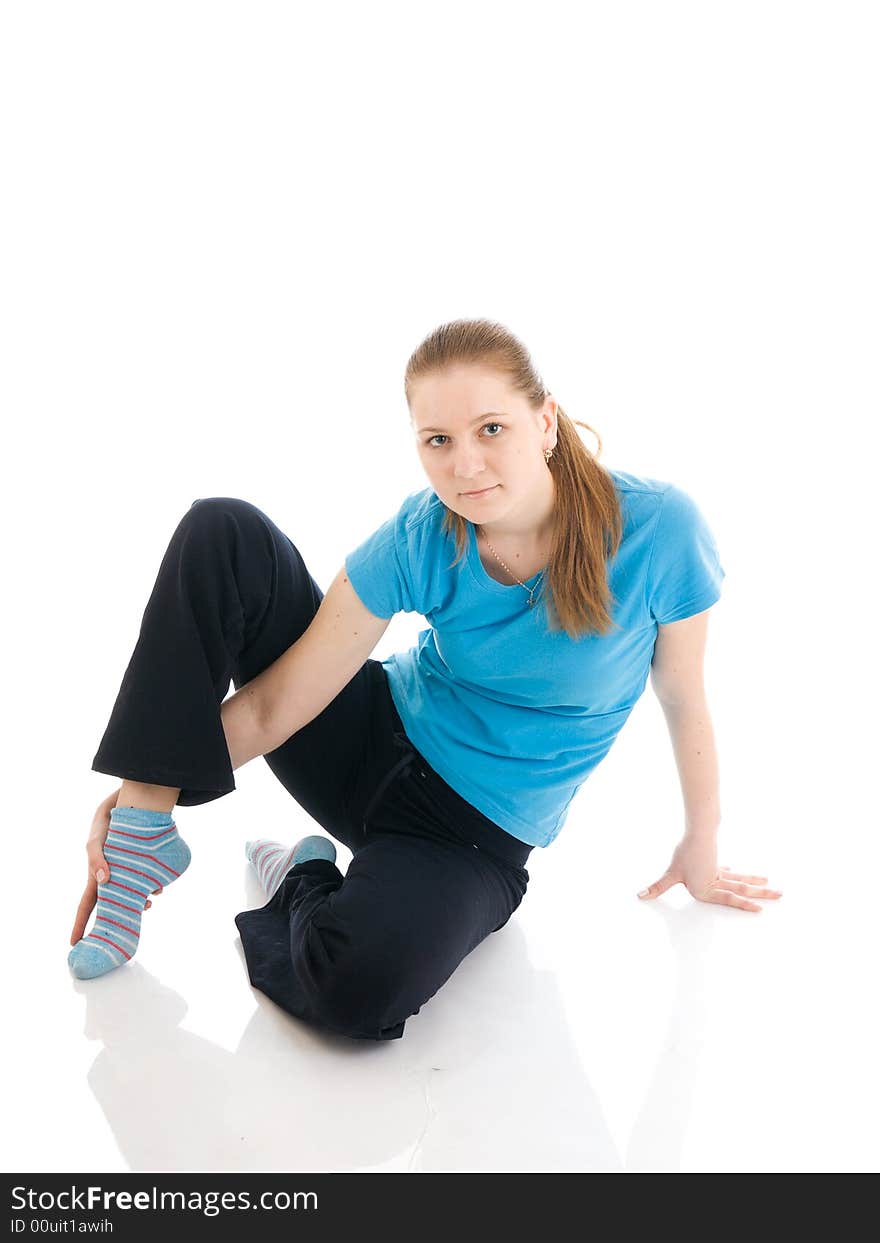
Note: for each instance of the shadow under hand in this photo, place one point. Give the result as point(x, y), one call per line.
point(657, 1139)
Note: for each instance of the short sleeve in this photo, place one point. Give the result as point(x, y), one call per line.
point(684, 570)
point(379, 569)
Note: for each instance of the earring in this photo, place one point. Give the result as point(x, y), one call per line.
point(548, 453)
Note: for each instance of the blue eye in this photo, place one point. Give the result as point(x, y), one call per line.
point(441, 437)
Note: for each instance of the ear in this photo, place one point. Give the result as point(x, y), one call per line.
point(551, 418)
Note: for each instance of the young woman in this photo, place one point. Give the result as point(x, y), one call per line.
point(552, 586)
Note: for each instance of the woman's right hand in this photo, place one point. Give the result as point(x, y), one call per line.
point(99, 868)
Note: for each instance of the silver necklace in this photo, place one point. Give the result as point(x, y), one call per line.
point(548, 453)
point(530, 590)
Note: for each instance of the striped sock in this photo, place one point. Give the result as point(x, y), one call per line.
point(144, 851)
point(273, 861)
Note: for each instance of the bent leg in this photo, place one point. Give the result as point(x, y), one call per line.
point(224, 578)
point(361, 954)
point(232, 594)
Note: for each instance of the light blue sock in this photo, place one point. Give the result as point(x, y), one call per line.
point(144, 851)
point(272, 861)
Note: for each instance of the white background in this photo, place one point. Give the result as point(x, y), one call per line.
point(225, 228)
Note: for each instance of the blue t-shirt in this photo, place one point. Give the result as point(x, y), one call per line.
point(512, 715)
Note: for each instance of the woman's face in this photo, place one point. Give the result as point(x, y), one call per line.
point(473, 432)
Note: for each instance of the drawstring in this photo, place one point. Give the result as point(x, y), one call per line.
point(404, 764)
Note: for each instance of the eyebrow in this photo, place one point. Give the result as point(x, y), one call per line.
point(487, 414)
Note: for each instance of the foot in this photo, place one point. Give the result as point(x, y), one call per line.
point(144, 851)
point(273, 861)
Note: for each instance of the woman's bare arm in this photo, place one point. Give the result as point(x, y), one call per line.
point(295, 688)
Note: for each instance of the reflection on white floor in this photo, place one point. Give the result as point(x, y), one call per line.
point(593, 1032)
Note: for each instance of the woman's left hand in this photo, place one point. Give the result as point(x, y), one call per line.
point(694, 865)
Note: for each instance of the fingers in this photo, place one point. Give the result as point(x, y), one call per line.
point(99, 873)
point(149, 903)
point(85, 908)
point(758, 880)
point(659, 886)
point(724, 897)
point(98, 865)
point(751, 890)
point(83, 911)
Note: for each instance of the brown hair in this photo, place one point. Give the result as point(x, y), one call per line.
point(589, 524)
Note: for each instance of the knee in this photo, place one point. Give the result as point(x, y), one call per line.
point(359, 994)
point(216, 507)
point(217, 515)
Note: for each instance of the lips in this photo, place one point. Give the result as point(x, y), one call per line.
point(481, 491)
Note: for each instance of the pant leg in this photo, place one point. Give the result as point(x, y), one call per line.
point(358, 956)
point(231, 595)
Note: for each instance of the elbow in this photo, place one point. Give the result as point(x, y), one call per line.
point(680, 694)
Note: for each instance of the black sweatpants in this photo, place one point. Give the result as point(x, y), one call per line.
point(431, 876)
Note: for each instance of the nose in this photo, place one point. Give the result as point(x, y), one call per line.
point(468, 466)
